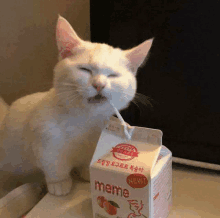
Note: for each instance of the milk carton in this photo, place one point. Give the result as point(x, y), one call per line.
point(131, 178)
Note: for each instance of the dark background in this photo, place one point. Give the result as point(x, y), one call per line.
point(182, 73)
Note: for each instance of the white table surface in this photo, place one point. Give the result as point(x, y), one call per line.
point(195, 195)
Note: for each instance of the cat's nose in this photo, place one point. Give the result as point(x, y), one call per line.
point(99, 86)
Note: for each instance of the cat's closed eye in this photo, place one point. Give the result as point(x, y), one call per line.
point(85, 69)
point(113, 75)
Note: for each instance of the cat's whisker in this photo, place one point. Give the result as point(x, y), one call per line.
point(139, 106)
point(68, 85)
point(64, 92)
point(133, 103)
point(136, 104)
point(141, 103)
point(76, 94)
point(75, 97)
point(64, 83)
point(60, 87)
point(139, 100)
point(71, 96)
point(141, 109)
point(143, 99)
point(136, 94)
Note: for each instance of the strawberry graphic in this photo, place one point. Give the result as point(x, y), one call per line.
point(110, 207)
point(100, 200)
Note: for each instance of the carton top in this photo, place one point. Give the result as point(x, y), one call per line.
point(148, 135)
point(141, 150)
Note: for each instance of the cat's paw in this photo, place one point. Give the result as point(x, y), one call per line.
point(60, 188)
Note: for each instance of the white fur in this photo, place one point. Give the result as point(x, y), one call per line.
point(58, 130)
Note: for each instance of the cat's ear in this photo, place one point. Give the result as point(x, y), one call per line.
point(66, 37)
point(137, 55)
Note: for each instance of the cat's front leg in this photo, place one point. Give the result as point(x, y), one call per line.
point(55, 159)
point(57, 175)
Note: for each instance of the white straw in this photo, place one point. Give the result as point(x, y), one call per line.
point(128, 134)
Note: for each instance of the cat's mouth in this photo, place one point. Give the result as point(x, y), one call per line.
point(97, 99)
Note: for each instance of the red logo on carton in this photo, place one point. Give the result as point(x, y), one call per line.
point(124, 152)
point(137, 180)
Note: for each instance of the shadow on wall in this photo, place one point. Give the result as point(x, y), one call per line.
point(28, 48)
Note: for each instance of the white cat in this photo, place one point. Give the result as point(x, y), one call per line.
point(57, 130)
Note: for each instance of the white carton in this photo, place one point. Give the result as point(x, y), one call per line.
point(131, 178)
